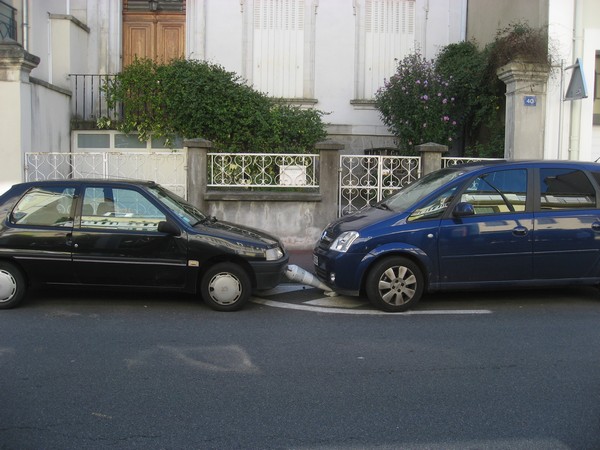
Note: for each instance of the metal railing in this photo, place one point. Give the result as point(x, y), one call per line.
point(262, 170)
point(166, 168)
point(368, 179)
point(8, 22)
point(448, 161)
point(88, 99)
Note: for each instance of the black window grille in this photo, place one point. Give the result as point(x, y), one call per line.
point(8, 22)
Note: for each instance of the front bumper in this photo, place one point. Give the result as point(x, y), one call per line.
point(269, 274)
point(345, 266)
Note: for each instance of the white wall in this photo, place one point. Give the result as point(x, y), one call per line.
point(11, 169)
point(439, 22)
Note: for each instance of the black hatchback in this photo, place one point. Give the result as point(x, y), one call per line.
point(128, 234)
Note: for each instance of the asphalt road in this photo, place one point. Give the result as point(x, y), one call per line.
point(506, 370)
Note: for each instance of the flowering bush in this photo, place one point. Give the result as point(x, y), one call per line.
point(419, 105)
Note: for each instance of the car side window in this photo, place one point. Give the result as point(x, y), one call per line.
point(45, 206)
point(497, 192)
point(566, 189)
point(119, 209)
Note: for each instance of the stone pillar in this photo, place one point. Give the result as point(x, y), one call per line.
point(525, 109)
point(197, 163)
point(328, 179)
point(15, 121)
point(431, 156)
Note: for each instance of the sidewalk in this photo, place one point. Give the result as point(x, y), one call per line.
point(302, 258)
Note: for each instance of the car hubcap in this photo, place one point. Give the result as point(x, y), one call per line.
point(397, 285)
point(224, 288)
point(8, 286)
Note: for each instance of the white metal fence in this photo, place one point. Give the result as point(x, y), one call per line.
point(166, 168)
point(262, 170)
point(453, 161)
point(368, 179)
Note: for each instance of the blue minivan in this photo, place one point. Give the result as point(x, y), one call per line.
point(480, 225)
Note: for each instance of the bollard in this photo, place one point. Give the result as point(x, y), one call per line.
point(299, 275)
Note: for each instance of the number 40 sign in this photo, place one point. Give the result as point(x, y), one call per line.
point(530, 100)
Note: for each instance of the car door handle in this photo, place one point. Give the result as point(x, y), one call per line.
point(520, 231)
point(596, 226)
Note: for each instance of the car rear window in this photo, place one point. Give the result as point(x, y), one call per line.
point(48, 206)
point(566, 189)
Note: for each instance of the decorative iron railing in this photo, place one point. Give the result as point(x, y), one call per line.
point(453, 161)
point(88, 101)
point(8, 22)
point(262, 170)
point(369, 179)
point(166, 168)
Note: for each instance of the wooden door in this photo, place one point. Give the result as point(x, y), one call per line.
point(155, 35)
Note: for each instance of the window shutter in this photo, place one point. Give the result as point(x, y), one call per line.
point(389, 37)
point(278, 65)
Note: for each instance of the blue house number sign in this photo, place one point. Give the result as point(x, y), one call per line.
point(530, 100)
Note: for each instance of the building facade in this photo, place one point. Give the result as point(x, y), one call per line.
point(332, 55)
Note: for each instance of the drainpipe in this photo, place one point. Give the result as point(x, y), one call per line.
point(425, 29)
point(575, 123)
point(25, 23)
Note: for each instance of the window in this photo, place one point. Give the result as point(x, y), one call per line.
point(48, 207)
point(388, 36)
point(497, 192)
point(435, 208)
point(566, 189)
point(279, 33)
point(120, 209)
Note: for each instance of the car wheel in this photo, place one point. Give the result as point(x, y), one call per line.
point(12, 285)
point(395, 284)
point(226, 287)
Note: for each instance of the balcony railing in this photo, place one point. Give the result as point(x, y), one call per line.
point(8, 22)
point(89, 101)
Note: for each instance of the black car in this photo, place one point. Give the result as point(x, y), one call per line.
point(128, 234)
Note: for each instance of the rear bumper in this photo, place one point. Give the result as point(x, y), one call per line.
point(269, 274)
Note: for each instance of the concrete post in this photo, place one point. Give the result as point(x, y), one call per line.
point(328, 180)
point(197, 163)
point(431, 156)
point(525, 109)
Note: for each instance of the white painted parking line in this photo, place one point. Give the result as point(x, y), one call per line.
point(365, 312)
point(337, 302)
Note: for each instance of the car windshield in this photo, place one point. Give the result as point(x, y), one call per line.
point(409, 195)
point(188, 213)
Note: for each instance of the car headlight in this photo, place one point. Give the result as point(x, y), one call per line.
point(273, 254)
point(343, 242)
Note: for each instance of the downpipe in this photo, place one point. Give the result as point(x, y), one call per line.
point(299, 275)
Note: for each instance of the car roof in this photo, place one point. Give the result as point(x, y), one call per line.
point(476, 165)
point(79, 181)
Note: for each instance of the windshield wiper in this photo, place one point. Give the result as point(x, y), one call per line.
point(382, 205)
point(211, 219)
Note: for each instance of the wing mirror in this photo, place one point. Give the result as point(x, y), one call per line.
point(164, 226)
point(463, 209)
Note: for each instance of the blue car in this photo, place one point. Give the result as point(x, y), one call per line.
point(482, 225)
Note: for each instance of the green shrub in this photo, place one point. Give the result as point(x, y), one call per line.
point(197, 99)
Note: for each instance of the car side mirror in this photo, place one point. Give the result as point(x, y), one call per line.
point(463, 209)
point(164, 226)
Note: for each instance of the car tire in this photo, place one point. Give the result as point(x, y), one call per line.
point(226, 287)
point(12, 285)
point(395, 284)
